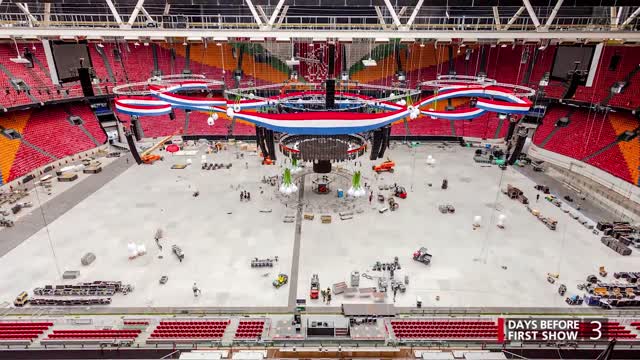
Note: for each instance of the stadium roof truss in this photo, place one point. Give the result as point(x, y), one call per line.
point(324, 19)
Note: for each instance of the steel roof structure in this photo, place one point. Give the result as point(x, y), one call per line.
point(324, 19)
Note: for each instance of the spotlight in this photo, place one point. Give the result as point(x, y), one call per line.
point(136, 44)
point(502, 116)
point(422, 44)
point(503, 45)
point(100, 45)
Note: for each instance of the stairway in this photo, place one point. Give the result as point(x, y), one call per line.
point(41, 66)
point(36, 148)
point(9, 75)
point(86, 132)
point(546, 139)
point(596, 153)
point(107, 65)
point(230, 332)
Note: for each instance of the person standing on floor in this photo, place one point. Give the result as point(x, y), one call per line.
point(537, 197)
point(196, 290)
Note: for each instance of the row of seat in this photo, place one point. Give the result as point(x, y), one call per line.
point(205, 329)
point(25, 323)
point(23, 330)
point(249, 329)
point(94, 334)
point(186, 335)
point(129, 322)
point(440, 323)
point(203, 322)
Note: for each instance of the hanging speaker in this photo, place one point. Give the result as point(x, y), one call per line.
point(135, 127)
point(525, 57)
point(613, 63)
point(85, 81)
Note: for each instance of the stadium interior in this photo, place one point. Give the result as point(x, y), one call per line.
point(253, 179)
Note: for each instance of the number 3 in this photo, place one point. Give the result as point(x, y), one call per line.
point(597, 330)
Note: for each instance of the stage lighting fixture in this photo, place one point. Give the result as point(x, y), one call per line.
point(502, 116)
point(369, 62)
point(292, 62)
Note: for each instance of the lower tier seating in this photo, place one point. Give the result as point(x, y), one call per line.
point(587, 134)
point(43, 131)
point(250, 329)
point(167, 330)
point(83, 334)
point(22, 330)
point(419, 329)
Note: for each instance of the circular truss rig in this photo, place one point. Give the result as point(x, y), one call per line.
point(277, 93)
point(296, 108)
point(448, 82)
point(166, 82)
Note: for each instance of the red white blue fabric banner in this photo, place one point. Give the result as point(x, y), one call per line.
point(163, 100)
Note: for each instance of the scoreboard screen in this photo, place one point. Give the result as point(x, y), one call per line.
point(68, 57)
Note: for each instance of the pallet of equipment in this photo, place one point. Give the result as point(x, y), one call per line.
point(366, 291)
point(326, 219)
point(261, 263)
point(93, 169)
point(69, 302)
point(350, 292)
point(616, 245)
point(289, 219)
point(339, 288)
point(68, 177)
point(309, 216)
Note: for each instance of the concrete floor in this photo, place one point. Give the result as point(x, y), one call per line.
point(217, 246)
point(467, 264)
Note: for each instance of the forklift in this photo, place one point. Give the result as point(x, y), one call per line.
point(400, 192)
point(421, 255)
point(280, 280)
point(315, 287)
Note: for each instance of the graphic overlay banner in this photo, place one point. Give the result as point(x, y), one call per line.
point(554, 329)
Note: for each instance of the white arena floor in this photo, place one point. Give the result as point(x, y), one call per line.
point(486, 267)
